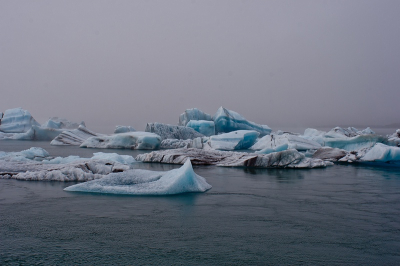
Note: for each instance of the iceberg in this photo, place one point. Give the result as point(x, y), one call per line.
point(61, 123)
point(207, 128)
point(17, 120)
point(31, 154)
point(166, 131)
point(73, 137)
point(123, 129)
point(294, 142)
point(283, 159)
point(279, 148)
point(339, 132)
point(394, 139)
point(329, 154)
point(175, 143)
point(236, 140)
point(226, 121)
point(354, 143)
point(131, 140)
point(193, 114)
point(382, 153)
point(145, 182)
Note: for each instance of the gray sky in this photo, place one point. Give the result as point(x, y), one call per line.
point(300, 63)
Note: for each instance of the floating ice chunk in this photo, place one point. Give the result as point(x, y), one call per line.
point(123, 129)
point(207, 128)
point(61, 123)
point(33, 153)
point(17, 120)
point(193, 114)
point(166, 131)
point(283, 159)
point(293, 142)
point(339, 132)
point(145, 182)
point(114, 157)
point(73, 137)
point(131, 140)
point(279, 148)
point(226, 121)
point(354, 143)
point(382, 153)
point(236, 140)
point(394, 139)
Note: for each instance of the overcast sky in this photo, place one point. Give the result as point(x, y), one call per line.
point(280, 62)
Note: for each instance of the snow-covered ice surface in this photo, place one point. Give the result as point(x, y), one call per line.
point(273, 141)
point(131, 140)
point(17, 120)
point(166, 131)
point(207, 128)
point(193, 114)
point(283, 159)
point(145, 182)
point(226, 121)
point(236, 140)
point(123, 129)
point(73, 137)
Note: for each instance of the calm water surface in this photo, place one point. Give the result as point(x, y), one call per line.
point(345, 214)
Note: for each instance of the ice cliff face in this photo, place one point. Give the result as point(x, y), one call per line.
point(131, 140)
point(226, 121)
point(166, 131)
point(17, 120)
point(144, 182)
point(193, 114)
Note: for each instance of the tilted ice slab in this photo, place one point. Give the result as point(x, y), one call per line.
point(166, 131)
point(145, 182)
point(226, 121)
point(73, 137)
point(61, 123)
point(207, 128)
point(123, 129)
point(17, 120)
point(274, 141)
point(236, 140)
point(131, 140)
point(283, 159)
point(193, 114)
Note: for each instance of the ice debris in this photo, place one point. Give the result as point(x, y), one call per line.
point(166, 131)
point(226, 121)
point(283, 159)
point(131, 140)
point(207, 128)
point(145, 182)
point(193, 114)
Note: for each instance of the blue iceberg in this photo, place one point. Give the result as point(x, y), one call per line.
point(236, 140)
point(207, 128)
point(145, 182)
point(17, 120)
point(193, 114)
point(227, 121)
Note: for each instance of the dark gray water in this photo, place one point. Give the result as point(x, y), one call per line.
point(345, 214)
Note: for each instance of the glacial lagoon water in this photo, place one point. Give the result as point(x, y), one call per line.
point(345, 214)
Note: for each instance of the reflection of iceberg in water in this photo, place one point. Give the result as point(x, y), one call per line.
point(144, 182)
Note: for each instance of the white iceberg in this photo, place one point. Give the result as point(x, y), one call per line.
point(339, 132)
point(394, 139)
point(31, 154)
point(166, 131)
point(207, 128)
point(282, 147)
point(382, 153)
point(17, 120)
point(227, 121)
point(73, 137)
point(283, 159)
point(123, 129)
point(236, 140)
point(131, 140)
point(354, 143)
point(294, 142)
point(145, 182)
point(193, 114)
